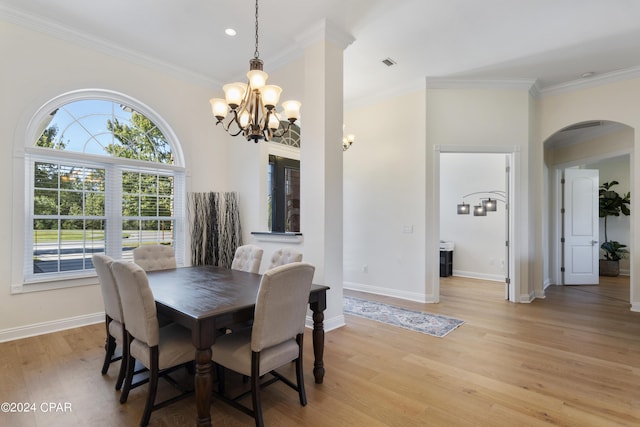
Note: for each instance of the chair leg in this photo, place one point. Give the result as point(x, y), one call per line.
point(109, 347)
point(153, 386)
point(299, 373)
point(220, 375)
point(123, 365)
point(255, 389)
point(130, 365)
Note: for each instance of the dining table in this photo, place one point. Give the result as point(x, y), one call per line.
point(208, 299)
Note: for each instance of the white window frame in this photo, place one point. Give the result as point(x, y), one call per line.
point(27, 154)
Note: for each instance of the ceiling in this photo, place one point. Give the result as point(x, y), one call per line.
point(550, 41)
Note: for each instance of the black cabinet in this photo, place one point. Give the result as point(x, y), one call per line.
point(446, 263)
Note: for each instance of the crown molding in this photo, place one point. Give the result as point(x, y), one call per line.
point(597, 80)
point(62, 32)
point(325, 30)
point(490, 84)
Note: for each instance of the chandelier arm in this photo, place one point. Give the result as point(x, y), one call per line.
point(284, 130)
point(496, 193)
point(227, 126)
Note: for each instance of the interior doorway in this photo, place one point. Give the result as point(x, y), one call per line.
point(597, 145)
point(481, 243)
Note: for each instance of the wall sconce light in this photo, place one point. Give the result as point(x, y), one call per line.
point(486, 204)
point(347, 139)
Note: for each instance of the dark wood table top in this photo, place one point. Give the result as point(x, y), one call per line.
point(207, 291)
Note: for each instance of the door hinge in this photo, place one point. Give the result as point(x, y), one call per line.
point(507, 281)
point(562, 240)
point(562, 269)
point(562, 181)
point(562, 211)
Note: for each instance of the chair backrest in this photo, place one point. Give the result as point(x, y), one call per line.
point(281, 305)
point(247, 258)
point(284, 256)
point(154, 257)
point(110, 293)
point(138, 304)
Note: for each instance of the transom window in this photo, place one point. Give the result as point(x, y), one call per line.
point(101, 179)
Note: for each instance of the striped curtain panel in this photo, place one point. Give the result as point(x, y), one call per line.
point(215, 228)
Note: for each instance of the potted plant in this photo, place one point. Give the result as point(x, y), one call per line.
point(612, 204)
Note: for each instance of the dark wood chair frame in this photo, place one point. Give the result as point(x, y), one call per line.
point(257, 385)
point(154, 374)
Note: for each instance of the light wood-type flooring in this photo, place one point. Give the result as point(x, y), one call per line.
point(571, 359)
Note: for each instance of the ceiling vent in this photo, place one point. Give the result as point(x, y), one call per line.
point(388, 62)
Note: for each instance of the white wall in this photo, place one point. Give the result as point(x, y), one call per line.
point(39, 68)
point(479, 240)
point(483, 120)
point(614, 101)
point(384, 198)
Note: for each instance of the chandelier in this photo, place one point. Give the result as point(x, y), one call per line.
point(486, 204)
point(253, 104)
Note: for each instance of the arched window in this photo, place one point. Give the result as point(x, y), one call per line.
point(101, 179)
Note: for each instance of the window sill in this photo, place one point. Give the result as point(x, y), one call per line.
point(50, 284)
point(268, 236)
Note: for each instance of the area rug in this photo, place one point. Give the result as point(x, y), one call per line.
point(419, 321)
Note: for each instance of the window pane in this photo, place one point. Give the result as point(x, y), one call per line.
point(72, 239)
point(284, 195)
point(72, 201)
point(46, 175)
point(292, 198)
point(94, 204)
point(130, 182)
point(130, 205)
point(149, 205)
point(165, 184)
point(94, 179)
point(165, 205)
point(45, 202)
point(105, 128)
point(45, 246)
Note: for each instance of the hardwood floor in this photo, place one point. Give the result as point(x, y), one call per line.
point(572, 359)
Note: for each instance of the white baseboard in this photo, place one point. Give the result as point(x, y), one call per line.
point(48, 327)
point(481, 276)
point(329, 324)
point(377, 290)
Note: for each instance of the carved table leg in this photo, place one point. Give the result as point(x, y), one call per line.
point(203, 386)
point(318, 337)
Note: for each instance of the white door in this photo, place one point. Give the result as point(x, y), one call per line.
point(581, 233)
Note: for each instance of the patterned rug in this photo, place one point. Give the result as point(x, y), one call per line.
point(427, 323)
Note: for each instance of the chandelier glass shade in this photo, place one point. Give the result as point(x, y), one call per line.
point(250, 108)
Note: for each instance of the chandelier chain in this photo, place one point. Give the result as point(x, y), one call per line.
point(256, 53)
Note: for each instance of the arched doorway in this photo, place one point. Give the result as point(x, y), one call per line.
point(599, 145)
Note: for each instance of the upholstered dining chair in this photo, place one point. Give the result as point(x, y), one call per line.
point(247, 258)
point(275, 339)
point(160, 350)
point(113, 316)
point(284, 256)
point(154, 257)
